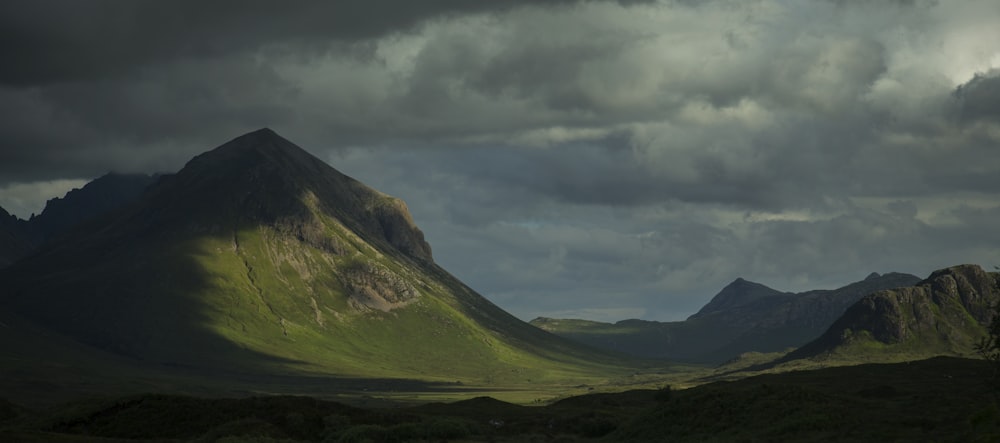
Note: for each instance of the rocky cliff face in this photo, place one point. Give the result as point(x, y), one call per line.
point(944, 314)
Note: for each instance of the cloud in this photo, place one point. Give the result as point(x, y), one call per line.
point(632, 155)
point(979, 98)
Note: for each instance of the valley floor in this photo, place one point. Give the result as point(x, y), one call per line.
point(940, 399)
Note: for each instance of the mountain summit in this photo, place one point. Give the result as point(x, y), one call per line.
point(262, 178)
point(738, 293)
point(257, 255)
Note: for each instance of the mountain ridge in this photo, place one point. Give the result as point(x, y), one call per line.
point(765, 320)
point(16, 239)
point(946, 313)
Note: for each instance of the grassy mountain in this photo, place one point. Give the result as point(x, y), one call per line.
point(258, 256)
point(743, 317)
point(945, 314)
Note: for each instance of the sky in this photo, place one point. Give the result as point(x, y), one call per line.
point(590, 159)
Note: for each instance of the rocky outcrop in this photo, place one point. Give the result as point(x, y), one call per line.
point(373, 286)
point(399, 229)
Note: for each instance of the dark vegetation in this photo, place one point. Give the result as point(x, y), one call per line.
point(940, 399)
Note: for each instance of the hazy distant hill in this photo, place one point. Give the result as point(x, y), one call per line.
point(259, 256)
point(744, 316)
point(946, 314)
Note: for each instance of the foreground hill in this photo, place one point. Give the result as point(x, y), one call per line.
point(257, 256)
point(744, 317)
point(945, 314)
point(941, 399)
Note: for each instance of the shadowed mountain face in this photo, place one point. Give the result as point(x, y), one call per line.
point(257, 255)
point(16, 239)
point(103, 195)
point(945, 314)
point(98, 197)
point(739, 293)
point(743, 317)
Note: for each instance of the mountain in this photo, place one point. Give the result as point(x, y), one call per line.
point(19, 238)
point(258, 256)
point(16, 239)
point(737, 294)
point(743, 317)
point(98, 197)
point(945, 314)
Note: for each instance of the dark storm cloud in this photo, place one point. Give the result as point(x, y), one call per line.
point(54, 41)
point(979, 98)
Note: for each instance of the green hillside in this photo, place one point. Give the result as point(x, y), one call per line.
point(260, 257)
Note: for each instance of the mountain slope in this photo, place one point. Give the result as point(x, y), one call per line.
point(743, 317)
point(944, 314)
point(260, 256)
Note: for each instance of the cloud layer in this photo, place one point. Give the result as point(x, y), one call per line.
point(606, 159)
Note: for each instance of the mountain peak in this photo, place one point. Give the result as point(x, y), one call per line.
point(262, 179)
point(873, 276)
point(738, 293)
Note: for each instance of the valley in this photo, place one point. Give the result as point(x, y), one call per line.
point(286, 301)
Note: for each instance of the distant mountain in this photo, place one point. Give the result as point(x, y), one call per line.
point(16, 239)
point(744, 317)
point(257, 256)
point(739, 293)
point(946, 314)
point(98, 197)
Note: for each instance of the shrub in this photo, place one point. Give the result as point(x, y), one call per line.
point(365, 433)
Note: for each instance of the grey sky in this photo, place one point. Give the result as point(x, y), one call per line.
point(568, 158)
